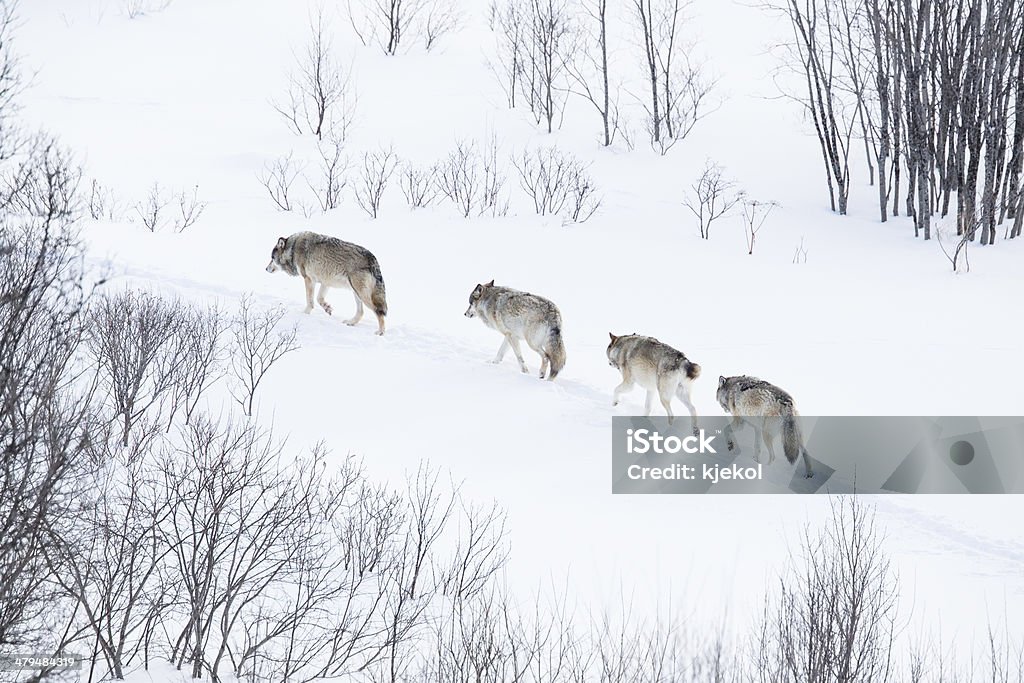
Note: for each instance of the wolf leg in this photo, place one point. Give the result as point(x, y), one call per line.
point(359, 312)
point(683, 392)
point(514, 343)
point(648, 402)
point(730, 432)
point(543, 365)
point(626, 385)
point(758, 435)
point(665, 396)
point(320, 298)
point(502, 350)
point(769, 441)
point(308, 281)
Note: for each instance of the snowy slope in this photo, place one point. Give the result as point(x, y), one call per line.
point(872, 323)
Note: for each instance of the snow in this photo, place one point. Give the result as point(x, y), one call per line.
point(874, 323)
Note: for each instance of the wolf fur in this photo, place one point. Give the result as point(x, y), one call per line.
point(766, 407)
point(655, 366)
point(521, 316)
point(330, 262)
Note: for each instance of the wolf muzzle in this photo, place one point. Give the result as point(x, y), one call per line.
point(470, 313)
point(271, 267)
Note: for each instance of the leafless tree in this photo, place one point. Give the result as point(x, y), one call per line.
point(102, 203)
point(473, 180)
point(12, 82)
point(190, 209)
point(396, 25)
point(42, 181)
point(374, 175)
point(278, 177)
point(259, 342)
point(200, 356)
point(111, 564)
point(535, 45)
point(151, 210)
point(755, 213)
point(321, 99)
point(46, 418)
point(589, 72)
point(815, 54)
point(836, 614)
point(332, 179)
point(678, 89)
point(132, 340)
point(459, 177)
point(418, 184)
point(712, 196)
point(558, 183)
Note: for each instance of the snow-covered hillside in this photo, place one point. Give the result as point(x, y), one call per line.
point(872, 322)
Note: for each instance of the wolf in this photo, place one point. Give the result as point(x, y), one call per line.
point(765, 406)
point(521, 316)
point(330, 262)
point(656, 367)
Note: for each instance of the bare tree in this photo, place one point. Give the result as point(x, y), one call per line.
point(151, 210)
point(333, 169)
point(395, 25)
point(190, 209)
point(473, 180)
point(418, 184)
point(200, 358)
point(374, 175)
point(12, 82)
point(678, 89)
point(836, 614)
point(258, 344)
point(133, 343)
point(755, 213)
point(46, 418)
point(44, 182)
point(711, 197)
point(536, 40)
point(321, 99)
point(590, 72)
point(557, 183)
point(278, 177)
point(815, 53)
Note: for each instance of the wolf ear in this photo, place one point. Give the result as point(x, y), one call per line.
point(282, 242)
point(613, 337)
point(490, 284)
point(721, 381)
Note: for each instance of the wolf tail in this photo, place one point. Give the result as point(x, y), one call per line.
point(793, 443)
point(379, 295)
point(792, 440)
point(692, 370)
point(555, 352)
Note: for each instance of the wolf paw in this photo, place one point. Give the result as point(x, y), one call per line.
point(351, 322)
point(730, 445)
point(327, 309)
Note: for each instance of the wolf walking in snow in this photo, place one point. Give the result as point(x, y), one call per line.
point(656, 367)
point(330, 262)
point(767, 408)
point(521, 316)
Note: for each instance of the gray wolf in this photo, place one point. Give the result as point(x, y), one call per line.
point(521, 316)
point(330, 262)
point(656, 367)
point(766, 407)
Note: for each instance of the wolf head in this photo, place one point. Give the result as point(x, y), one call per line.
point(280, 257)
point(611, 351)
point(475, 296)
point(722, 395)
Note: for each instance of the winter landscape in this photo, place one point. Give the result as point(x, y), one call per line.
point(202, 481)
